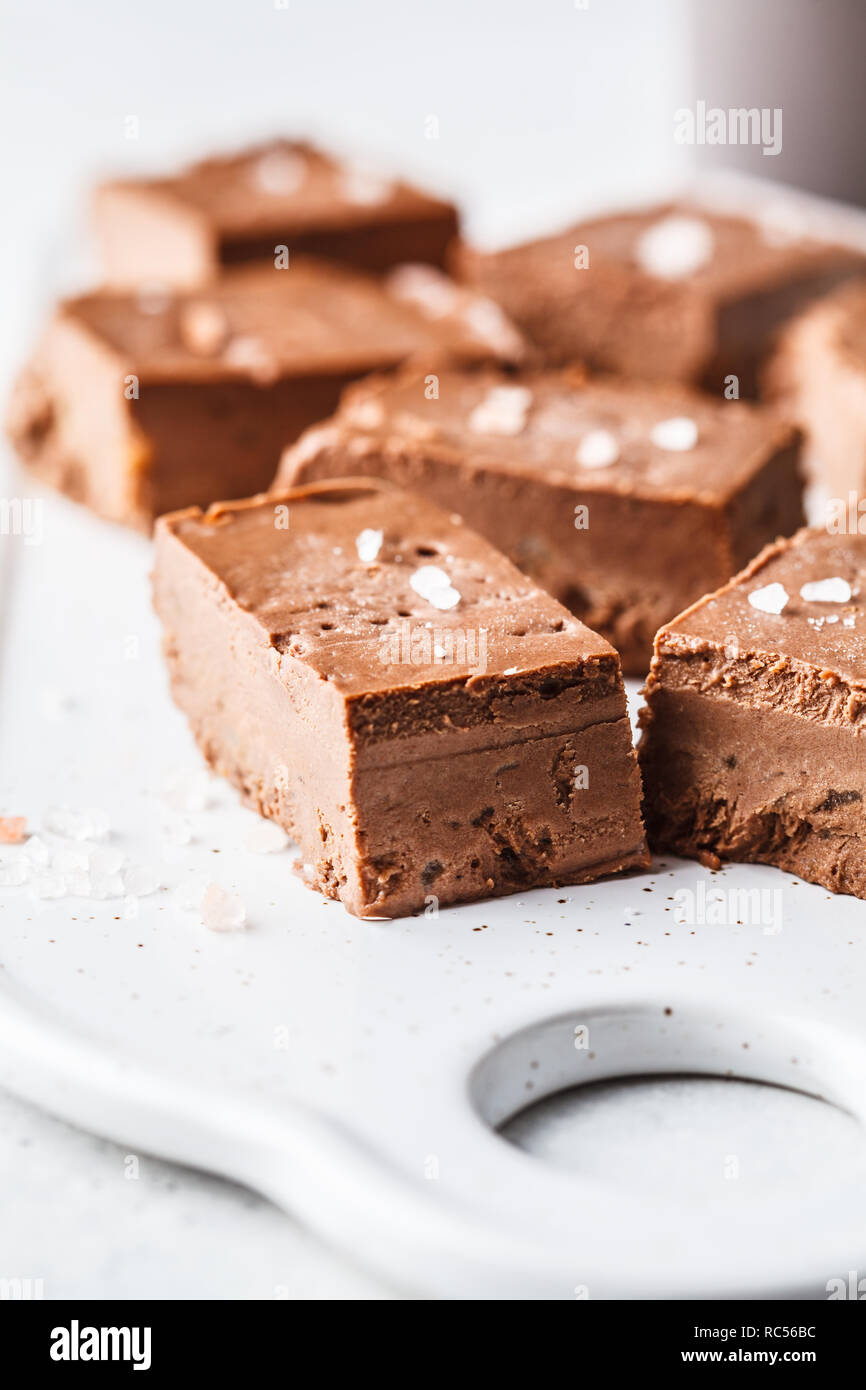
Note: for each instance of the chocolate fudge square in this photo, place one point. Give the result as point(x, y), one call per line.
point(625, 501)
point(676, 292)
point(818, 376)
point(419, 717)
point(139, 404)
point(753, 732)
point(221, 212)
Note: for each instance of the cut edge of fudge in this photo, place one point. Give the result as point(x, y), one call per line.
point(752, 751)
point(356, 766)
point(818, 379)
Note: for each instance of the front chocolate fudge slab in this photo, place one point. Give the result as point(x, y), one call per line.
point(419, 717)
point(624, 501)
point(754, 730)
point(676, 292)
point(183, 230)
point(140, 404)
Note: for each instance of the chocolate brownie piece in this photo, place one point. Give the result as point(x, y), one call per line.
point(676, 292)
point(244, 207)
point(413, 710)
point(754, 731)
point(818, 375)
point(625, 501)
point(138, 404)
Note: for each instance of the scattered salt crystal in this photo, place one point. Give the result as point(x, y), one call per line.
point(433, 584)
point(279, 172)
point(363, 186)
point(204, 327)
point(598, 449)
point(187, 897)
point(849, 621)
point(187, 791)
point(503, 411)
point(833, 590)
point(140, 879)
point(439, 651)
point(13, 830)
point(79, 883)
point(677, 434)
point(89, 824)
point(222, 911)
point(14, 872)
point(106, 886)
point(674, 247)
point(105, 861)
point(71, 858)
point(36, 852)
point(266, 838)
point(48, 883)
point(338, 550)
point(368, 544)
point(510, 671)
point(771, 599)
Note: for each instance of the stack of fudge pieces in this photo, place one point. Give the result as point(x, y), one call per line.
point(475, 490)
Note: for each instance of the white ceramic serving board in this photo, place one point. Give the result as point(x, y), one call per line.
point(356, 1072)
point(353, 1071)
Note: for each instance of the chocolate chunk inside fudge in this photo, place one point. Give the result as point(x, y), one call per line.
point(245, 207)
point(753, 732)
point(419, 716)
point(136, 404)
point(625, 501)
point(677, 292)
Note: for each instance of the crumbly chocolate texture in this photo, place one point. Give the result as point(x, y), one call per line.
point(572, 479)
point(420, 718)
point(676, 292)
point(224, 211)
point(818, 376)
point(139, 404)
point(754, 730)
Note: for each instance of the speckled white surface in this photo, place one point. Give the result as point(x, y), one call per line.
point(203, 1046)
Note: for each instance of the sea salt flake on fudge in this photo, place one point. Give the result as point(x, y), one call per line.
point(771, 598)
point(368, 543)
point(597, 449)
point(584, 496)
point(758, 752)
point(835, 590)
point(502, 411)
point(400, 772)
point(674, 247)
